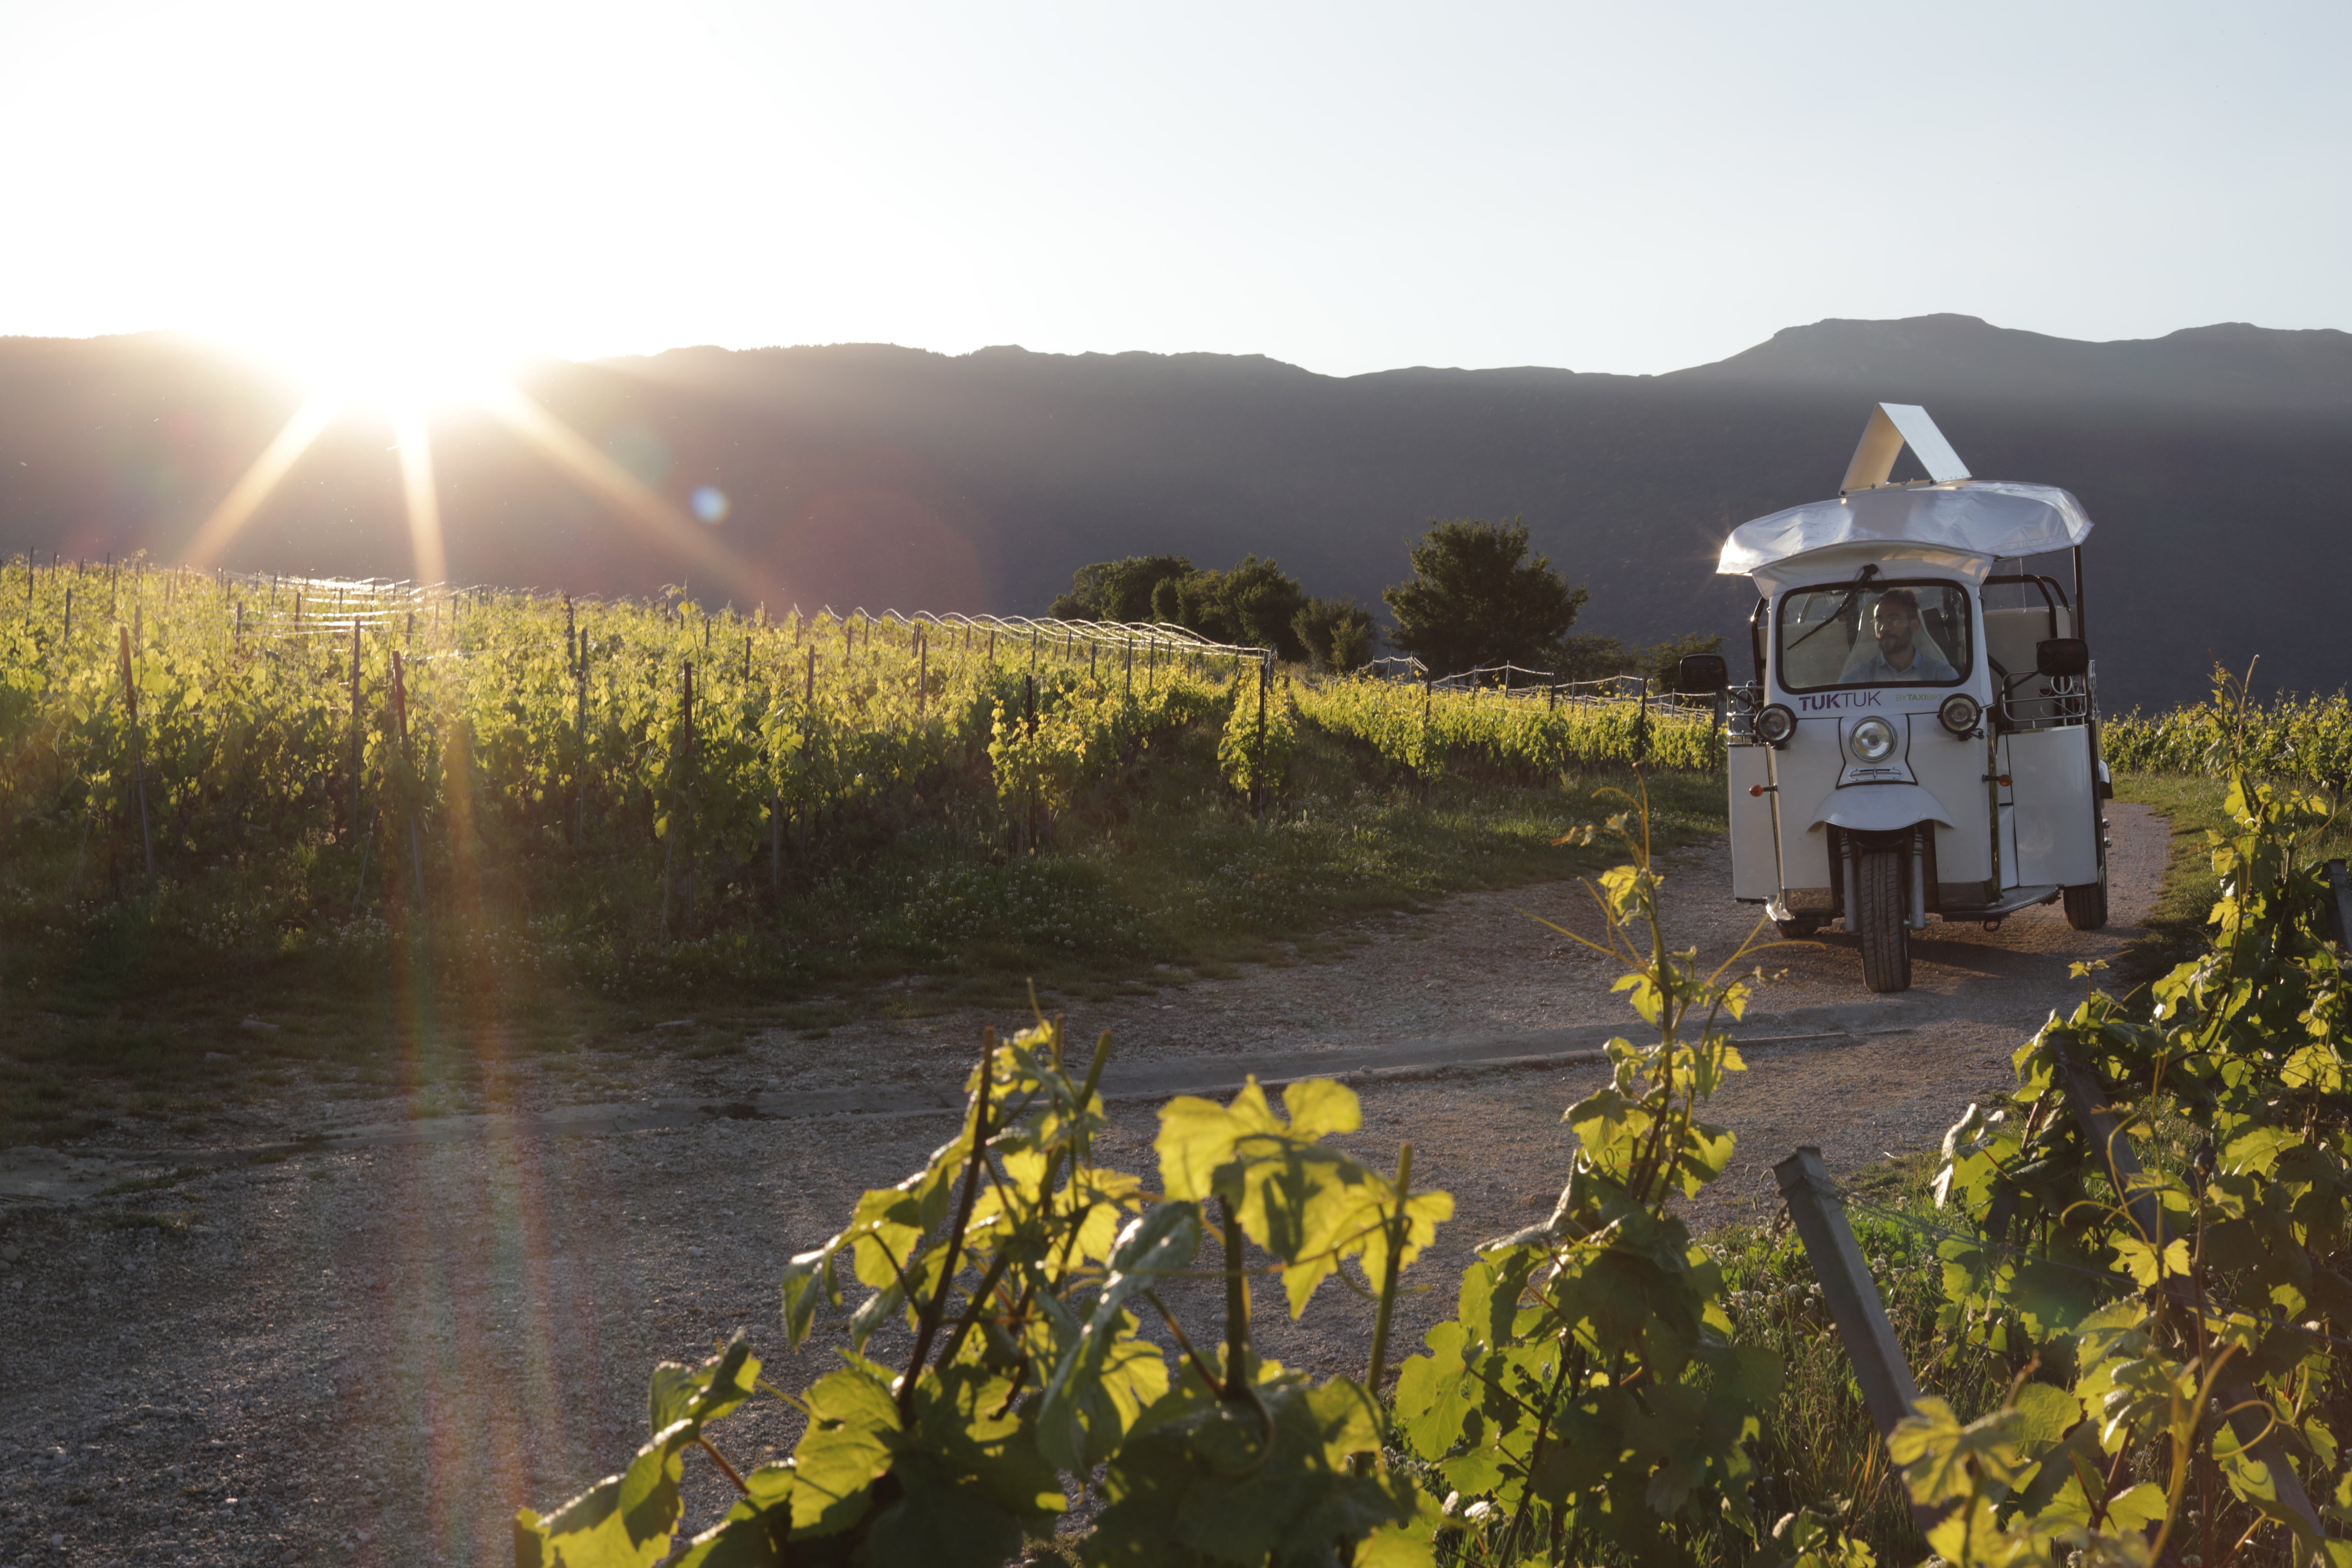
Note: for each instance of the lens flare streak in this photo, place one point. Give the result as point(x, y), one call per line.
point(237, 508)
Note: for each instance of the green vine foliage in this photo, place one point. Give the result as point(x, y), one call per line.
point(1060, 733)
point(1588, 1394)
point(1416, 731)
point(1023, 1268)
point(2293, 737)
point(1261, 735)
point(2177, 1330)
point(1587, 1397)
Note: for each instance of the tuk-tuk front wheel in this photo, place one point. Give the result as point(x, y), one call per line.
point(1879, 920)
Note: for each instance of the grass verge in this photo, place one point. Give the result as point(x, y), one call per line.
point(1156, 877)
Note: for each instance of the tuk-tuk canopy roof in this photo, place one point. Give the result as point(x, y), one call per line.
point(1989, 518)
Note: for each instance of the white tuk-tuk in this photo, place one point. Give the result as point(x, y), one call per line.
point(1922, 735)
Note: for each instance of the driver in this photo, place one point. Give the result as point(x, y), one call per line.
point(1902, 654)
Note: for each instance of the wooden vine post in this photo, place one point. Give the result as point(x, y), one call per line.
point(1029, 772)
point(400, 733)
point(138, 753)
point(1257, 763)
point(354, 820)
point(686, 777)
point(1879, 1366)
point(579, 728)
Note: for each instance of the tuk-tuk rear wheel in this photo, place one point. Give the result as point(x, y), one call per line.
point(1880, 923)
point(2086, 906)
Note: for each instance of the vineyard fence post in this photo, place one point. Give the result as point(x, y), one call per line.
point(1257, 762)
point(138, 755)
point(355, 728)
point(1879, 1366)
point(580, 736)
point(400, 723)
point(1029, 772)
point(686, 791)
point(2251, 1416)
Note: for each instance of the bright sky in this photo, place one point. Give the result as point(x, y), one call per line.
point(1350, 187)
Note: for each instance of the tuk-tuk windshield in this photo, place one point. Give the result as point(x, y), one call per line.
point(1877, 633)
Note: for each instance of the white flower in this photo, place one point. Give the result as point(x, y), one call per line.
point(1481, 1508)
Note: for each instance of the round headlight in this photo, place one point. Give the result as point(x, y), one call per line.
point(1960, 713)
point(1873, 740)
point(1775, 725)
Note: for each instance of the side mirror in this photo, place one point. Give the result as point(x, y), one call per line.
point(1702, 672)
point(2062, 656)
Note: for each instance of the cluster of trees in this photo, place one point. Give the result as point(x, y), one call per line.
point(1256, 602)
point(1478, 598)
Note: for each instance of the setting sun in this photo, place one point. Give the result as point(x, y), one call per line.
point(413, 361)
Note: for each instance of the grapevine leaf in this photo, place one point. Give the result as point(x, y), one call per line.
point(1438, 1395)
point(1105, 1378)
point(704, 1393)
point(755, 1533)
point(852, 1432)
point(2147, 1264)
point(1172, 1500)
point(1937, 1451)
point(621, 1521)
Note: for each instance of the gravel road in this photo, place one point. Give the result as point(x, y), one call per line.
point(373, 1354)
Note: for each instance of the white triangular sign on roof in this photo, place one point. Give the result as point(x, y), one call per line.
point(1891, 427)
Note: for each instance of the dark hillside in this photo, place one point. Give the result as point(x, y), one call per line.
point(2216, 461)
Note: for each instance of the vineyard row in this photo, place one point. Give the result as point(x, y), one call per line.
point(155, 720)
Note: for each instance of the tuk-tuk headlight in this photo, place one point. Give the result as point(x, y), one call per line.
point(1959, 714)
point(1872, 741)
point(1775, 725)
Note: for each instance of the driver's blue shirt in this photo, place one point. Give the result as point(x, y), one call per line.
point(1926, 664)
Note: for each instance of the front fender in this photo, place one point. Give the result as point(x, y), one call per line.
point(1880, 808)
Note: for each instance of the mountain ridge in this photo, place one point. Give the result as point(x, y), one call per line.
point(2214, 458)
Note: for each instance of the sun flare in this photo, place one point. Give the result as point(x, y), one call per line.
point(407, 368)
point(401, 369)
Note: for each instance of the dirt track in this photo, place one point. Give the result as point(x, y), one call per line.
point(372, 1354)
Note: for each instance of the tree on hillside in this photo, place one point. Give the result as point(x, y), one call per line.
point(1338, 633)
point(1478, 598)
point(1118, 590)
